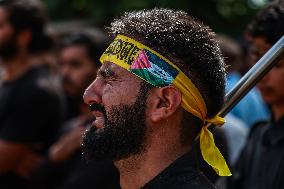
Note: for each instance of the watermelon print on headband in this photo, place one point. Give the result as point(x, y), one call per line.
point(153, 69)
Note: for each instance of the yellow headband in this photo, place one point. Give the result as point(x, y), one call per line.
point(155, 69)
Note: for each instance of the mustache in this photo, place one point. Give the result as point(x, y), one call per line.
point(97, 107)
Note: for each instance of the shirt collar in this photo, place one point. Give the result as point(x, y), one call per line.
point(275, 133)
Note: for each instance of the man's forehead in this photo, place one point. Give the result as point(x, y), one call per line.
point(109, 66)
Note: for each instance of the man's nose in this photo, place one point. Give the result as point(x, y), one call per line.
point(92, 94)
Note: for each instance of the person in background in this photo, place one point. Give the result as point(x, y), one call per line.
point(261, 163)
point(65, 168)
point(251, 108)
point(30, 106)
point(78, 62)
point(235, 127)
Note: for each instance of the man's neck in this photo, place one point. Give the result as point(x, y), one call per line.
point(138, 170)
point(15, 68)
point(278, 111)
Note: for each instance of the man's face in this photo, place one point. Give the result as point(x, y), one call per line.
point(119, 100)
point(271, 85)
point(8, 45)
point(77, 70)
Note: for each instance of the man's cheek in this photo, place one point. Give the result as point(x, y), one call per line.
point(110, 98)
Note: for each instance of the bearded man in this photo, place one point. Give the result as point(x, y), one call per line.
point(161, 81)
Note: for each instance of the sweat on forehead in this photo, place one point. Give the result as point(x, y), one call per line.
point(184, 41)
point(109, 69)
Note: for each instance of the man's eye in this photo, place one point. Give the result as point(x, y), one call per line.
point(75, 63)
point(107, 73)
point(102, 73)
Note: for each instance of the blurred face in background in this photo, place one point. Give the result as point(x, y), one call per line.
point(77, 70)
point(8, 45)
point(271, 86)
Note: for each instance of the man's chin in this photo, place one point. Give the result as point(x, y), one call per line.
point(107, 144)
point(94, 145)
point(268, 98)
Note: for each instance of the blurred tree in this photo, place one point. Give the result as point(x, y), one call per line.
point(225, 16)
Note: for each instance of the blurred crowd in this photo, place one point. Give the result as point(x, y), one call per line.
point(44, 73)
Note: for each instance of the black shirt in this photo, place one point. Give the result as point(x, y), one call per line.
point(261, 164)
point(181, 174)
point(76, 172)
point(30, 113)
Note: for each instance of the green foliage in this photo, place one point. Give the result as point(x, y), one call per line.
point(226, 16)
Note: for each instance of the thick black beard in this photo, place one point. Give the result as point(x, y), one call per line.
point(8, 49)
point(123, 134)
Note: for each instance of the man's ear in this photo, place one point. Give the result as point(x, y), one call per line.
point(164, 103)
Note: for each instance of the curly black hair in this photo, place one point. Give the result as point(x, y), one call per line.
point(268, 23)
point(183, 40)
